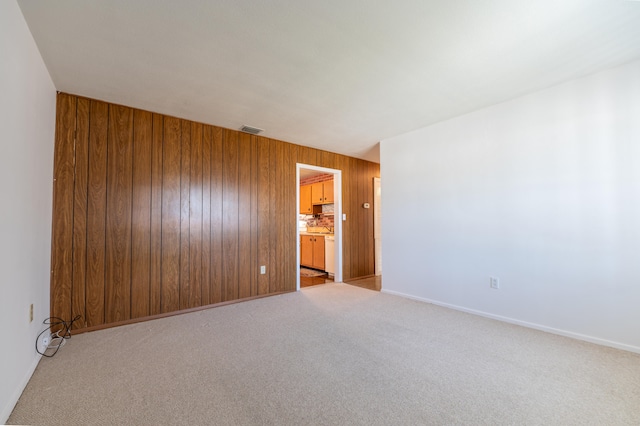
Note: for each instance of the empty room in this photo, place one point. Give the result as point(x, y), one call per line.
point(324, 213)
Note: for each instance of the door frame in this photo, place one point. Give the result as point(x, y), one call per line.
point(337, 225)
point(377, 225)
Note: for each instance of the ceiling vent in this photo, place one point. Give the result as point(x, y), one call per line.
point(249, 129)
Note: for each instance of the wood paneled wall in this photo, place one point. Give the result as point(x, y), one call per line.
point(154, 214)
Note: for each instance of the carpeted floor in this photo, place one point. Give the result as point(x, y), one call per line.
point(331, 355)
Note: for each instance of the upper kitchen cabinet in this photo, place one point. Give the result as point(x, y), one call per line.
point(327, 189)
point(322, 192)
point(306, 206)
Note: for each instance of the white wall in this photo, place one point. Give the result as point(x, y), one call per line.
point(543, 192)
point(27, 122)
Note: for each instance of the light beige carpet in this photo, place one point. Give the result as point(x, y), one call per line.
point(331, 355)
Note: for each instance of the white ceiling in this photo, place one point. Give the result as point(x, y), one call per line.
point(339, 75)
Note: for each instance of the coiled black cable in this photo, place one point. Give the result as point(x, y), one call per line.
point(63, 333)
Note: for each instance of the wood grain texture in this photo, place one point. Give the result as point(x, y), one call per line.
point(78, 290)
point(328, 159)
point(264, 213)
point(371, 253)
point(155, 215)
point(195, 218)
point(308, 156)
point(360, 217)
point(343, 165)
point(245, 269)
point(230, 212)
point(275, 200)
point(119, 208)
point(185, 178)
point(141, 215)
point(62, 233)
point(155, 285)
point(216, 216)
point(170, 289)
point(207, 143)
point(306, 250)
point(288, 218)
point(254, 262)
point(96, 214)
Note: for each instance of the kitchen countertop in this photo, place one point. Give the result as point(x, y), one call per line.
point(317, 233)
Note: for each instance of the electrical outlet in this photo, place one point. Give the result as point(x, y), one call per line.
point(263, 269)
point(45, 342)
point(31, 313)
point(494, 282)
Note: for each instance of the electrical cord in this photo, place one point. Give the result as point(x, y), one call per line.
point(59, 336)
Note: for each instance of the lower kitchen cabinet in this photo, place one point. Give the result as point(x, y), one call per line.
point(312, 251)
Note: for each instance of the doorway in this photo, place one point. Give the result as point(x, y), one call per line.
point(321, 210)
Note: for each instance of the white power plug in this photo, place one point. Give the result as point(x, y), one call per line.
point(45, 342)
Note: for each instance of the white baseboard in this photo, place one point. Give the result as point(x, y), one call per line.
point(578, 336)
point(11, 404)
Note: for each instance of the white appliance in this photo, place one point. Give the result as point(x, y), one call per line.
point(329, 257)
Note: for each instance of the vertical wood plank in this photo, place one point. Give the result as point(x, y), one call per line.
point(296, 158)
point(284, 219)
point(185, 178)
point(96, 214)
point(62, 235)
point(245, 268)
point(328, 159)
point(80, 212)
point(119, 195)
point(264, 212)
point(156, 215)
point(230, 216)
point(370, 257)
point(362, 219)
point(207, 140)
point(141, 214)
point(288, 218)
point(275, 209)
point(307, 155)
point(353, 207)
point(195, 217)
point(254, 261)
point(353, 202)
point(171, 160)
point(343, 165)
point(315, 156)
point(216, 215)
point(273, 217)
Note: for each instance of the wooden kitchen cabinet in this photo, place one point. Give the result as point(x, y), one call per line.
point(306, 206)
point(306, 250)
point(317, 193)
point(312, 251)
point(318, 253)
point(322, 192)
point(327, 189)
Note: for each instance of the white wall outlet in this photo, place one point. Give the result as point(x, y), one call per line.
point(45, 343)
point(263, 269)
point(494, 282)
